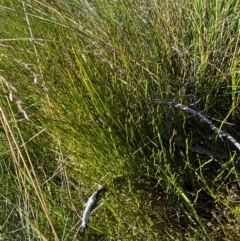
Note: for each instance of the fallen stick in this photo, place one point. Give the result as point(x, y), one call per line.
point(197, 114)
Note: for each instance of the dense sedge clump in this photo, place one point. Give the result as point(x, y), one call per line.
point(141, 97)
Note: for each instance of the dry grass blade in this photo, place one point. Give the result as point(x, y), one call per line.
point(20, 157)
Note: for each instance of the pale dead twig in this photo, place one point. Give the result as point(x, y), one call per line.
point(90, 206)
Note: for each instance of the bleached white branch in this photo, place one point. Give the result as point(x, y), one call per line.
point(91, 205)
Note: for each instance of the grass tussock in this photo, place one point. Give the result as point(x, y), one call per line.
point(79, 81)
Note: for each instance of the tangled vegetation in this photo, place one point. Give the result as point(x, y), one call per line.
point(83, 87)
